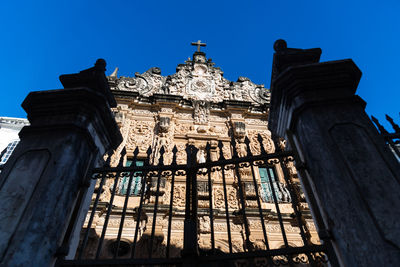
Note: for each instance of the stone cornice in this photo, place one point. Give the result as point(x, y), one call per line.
point(80, 108)
point(299, 86)
point(13, 123)
point(240, 106)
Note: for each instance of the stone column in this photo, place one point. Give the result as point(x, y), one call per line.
point(353, 177)
point(70, 131)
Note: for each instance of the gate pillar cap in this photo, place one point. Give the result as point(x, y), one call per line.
point(81, 108)
point(302, 85)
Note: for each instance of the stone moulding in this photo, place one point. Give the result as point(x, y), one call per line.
point(77, 103)
point(301, 86)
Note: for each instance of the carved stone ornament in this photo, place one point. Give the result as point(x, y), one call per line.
point(196, 79)
point(179, 196)
point(147, 83)
point(164, 124)
point(201, 112)
point(255, 145)
point(239, 129)
point(140, 135)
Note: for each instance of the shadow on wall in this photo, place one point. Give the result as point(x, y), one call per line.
point(109, 248)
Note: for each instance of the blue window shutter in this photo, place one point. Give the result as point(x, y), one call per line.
point(135, 187)
point(265, 187)
point(266, 192)
point(138, 184)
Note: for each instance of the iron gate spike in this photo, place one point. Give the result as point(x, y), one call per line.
point(380, 127)
point(122, 156)
point(221, 153)
point(247, 142)
point(233, 144)
point(174, 151)
point(394, 125)
point(208, 152)
point(260, 140)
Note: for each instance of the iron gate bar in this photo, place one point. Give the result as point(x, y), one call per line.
point(278, 210)
point(208, 259)
point(267, 164)
point(265, 253)
point(143, 189)
point(228, 226)
point(389, 137)
point(122, 262)
point(394, 125)
point(153, 227)
point(208, 159)
point(192, 169)
point(174, 151)
point(249, 245)
point(96, 202)
point(121, 224)
point(232, 161)
point(103, 233)
point(249, 153)
point(190, 247)
point(194, 203)
point(295, 206)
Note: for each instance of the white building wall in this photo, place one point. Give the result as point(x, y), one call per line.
point(9, 129)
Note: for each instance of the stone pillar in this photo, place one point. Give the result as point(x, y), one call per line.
point(353, 177)
point(70, 131)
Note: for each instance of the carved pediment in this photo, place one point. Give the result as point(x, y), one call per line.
point(197, 80)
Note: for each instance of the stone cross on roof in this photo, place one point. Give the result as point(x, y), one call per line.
point(198, 43)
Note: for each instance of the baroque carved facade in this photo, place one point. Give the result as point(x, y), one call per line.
point(197, 106)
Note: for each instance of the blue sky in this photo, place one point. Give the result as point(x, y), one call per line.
point(42, 39)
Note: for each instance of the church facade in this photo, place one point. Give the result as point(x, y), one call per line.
point(196, 106)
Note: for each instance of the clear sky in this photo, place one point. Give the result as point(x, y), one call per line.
point(42, 39)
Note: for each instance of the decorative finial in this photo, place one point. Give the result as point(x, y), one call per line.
point(100, 64)
point(115, 73)
point(198, 44)
point(93, 78)
point(280, 45)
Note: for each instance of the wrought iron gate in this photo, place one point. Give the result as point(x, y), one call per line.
point(392, 139)
point(142, 243)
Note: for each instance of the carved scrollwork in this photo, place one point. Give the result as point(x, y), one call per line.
point(146, 83)
point(194, 80)
point(255, 145)
point(141, 134)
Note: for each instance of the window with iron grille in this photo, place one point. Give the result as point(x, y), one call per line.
point(136, 181)
point(9, 149)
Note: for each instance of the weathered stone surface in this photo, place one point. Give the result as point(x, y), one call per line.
point(353, 176)
point(70, 131)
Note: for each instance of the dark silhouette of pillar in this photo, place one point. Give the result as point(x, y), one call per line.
point(70, 131)
point(353, 179)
